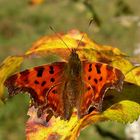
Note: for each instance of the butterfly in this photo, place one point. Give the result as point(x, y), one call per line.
point(59, 87)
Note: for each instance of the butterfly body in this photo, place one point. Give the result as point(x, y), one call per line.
point(73, 84)
point(60, 87)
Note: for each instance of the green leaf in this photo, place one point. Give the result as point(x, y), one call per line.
point(124, 112)
point(129, 92)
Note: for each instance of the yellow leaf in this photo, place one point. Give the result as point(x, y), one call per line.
point(87, 49)
point(8, 67)
point(133, 75)
point(53, 45)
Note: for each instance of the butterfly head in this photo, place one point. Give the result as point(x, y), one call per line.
point(74, 57)
point(74, 63)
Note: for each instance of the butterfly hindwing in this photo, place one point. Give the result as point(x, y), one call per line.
point(55, 100)
point(85, 100)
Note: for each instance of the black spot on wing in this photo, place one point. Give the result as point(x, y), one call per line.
point(90, 65)
point(39, 71)
point(89, 77)
point(101, 78)
point(90, 68)
point(95, 80)
point(43, 83)
point(52, 79)
point(36, 82)
point(51, 71)
point(88, 88)
point(98, 67)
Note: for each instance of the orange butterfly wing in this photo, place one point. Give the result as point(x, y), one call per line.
point(85, 100)
point(98, 78)
point(42, 82)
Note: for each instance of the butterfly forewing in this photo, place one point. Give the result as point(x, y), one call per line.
point(37, 81)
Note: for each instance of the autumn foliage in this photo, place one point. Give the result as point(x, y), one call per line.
point(123, 107)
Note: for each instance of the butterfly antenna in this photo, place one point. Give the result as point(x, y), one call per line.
point(59, 37)
point(90, 22)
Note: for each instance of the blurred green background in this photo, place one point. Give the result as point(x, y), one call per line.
point(116, 23)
